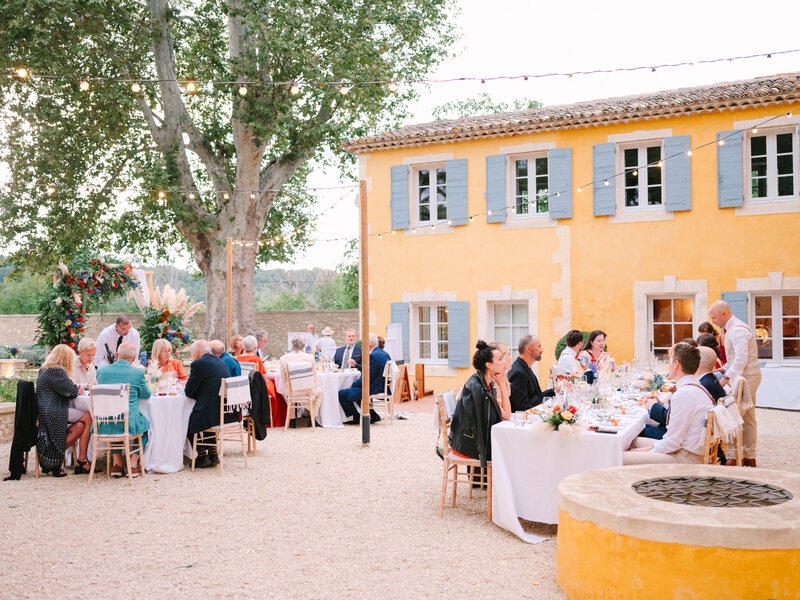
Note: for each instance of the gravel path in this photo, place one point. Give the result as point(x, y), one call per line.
point(314, 516)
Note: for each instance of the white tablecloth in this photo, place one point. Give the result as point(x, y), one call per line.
point(529, 462)
point(779, 388)
point(330, 412)
point(169, 421)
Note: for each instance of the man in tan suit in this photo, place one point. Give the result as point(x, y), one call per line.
point(297, 354)
point(741, 353)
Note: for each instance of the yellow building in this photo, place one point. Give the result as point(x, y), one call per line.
point(629, 215)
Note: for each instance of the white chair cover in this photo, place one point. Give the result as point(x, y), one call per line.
point(449, 403)
point(301, 376)
point(727, 420)
point(247, 367)
point(109, 400)
point(237, 390)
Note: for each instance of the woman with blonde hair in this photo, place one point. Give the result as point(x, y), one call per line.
point(60, 425)
point(237, 348)
point(162, 362)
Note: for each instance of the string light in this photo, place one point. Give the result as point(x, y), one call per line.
point(191, 196)
point(294, 89)
point(226, 196)
point(51, 190)
point(136, 87)
point(580, 190)
point(86, 192)
point(394, 232)
point(191, 87)
point(606, 182)
point(660, 164)
point(7, 187)
point(161, 195)
point(252, 196)
point(788, 115)
point(755, 129)
point(392, 87)
point(84, 85)
point(722, 142)
point(689, 153)
point(635, 174)
point(343, 89)
point(243, 90)
point(22, 72)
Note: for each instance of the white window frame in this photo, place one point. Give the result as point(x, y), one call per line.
point(642, 184)
point(777, 324)
point(514, 344)
point(511, 185)
point(651, 321)
point(414, 187)
point(772, 165)
point(434, 341)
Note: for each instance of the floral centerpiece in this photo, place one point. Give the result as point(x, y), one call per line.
point(167, 318)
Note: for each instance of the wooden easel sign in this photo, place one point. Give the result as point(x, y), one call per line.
point(420, 381)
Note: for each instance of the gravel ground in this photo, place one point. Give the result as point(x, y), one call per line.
point(314, 516)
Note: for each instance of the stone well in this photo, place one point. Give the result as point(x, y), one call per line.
point(692, 532)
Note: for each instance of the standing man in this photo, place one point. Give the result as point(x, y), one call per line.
point(349, 355)
point(741, 354)
point(525, 390)
point(110, 339)
point(311, 337)
point(350, 398)
point(261, 338)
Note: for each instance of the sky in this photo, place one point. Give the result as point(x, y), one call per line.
point(517, 37)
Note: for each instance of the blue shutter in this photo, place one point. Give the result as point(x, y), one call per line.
point(730, 189)
point(559, 165)
point(678, 173)
point(496, 188)
point(605, 202)
point(738, 303)
point(458, 334)
point(400, 198)
point(400, 315)
point(457, 198)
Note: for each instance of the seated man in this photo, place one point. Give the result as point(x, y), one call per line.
point(121, 371)
point(218, 349)
point(658, 413)
point(205, 379)
point(685, 436)
point(349, 355)
point(525, 390)
point(568, 363)
point(299, 355)
point(705, 373)
point(350, 398)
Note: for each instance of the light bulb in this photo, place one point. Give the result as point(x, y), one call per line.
point(635, 174)
point(161, 195)
point(191, 196)
point(252, 196)
point(558, 194)
point(226, 195)
point(606, 182)
point(394, 232)
point(392, 86)
point(722, 142)
point(22, 73)
point(343, 89)
point(50, 190)
point(579, 190)
point(471, 220)
point(755, 130)
point(449, 222)
point(294, 89)
point(191, 87)
point(379, 236)
point(488, 212)
point(689, 153)
point(86, 191)
point(788, 115)
point(243, 90)
point(660, 164)
point(7, 188)
point(136, 87)
point(85, 83)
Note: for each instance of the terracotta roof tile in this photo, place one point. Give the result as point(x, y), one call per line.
point(770, 90)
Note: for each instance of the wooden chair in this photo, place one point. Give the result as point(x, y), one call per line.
point(110, 404)
point(300, 389)
point(738, 451)
point(234, 396)
point(453, 462)
point(711, 443)
point(387, 397)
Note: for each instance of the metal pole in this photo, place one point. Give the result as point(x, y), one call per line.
point(229, 278)
point(365, 418)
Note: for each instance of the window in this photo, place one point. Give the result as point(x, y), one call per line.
point(670, 321)
point(777, 326)
point(510, 324)
point(531, 187)
point(642, 183)
point(432, 336)
point(431, 194)
point(772, 165)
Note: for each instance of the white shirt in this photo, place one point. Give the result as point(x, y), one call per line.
point(110, 336)
point(327, 346)
point(741, 353)
point(688, 409)
point(81, 377)
point(568, 362)
point(311, 340)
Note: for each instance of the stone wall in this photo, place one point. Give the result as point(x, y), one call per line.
point(21, 329)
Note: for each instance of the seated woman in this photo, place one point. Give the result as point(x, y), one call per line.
point(83, 369)
point(248, 354)
point(568, 363)
point(706, 327)
point(60, 425)
point(123, 371)
point(594, 352)
point(477, 409)
point(710, 341)
point(236, 348)
point(501, 379)
point(162, 362)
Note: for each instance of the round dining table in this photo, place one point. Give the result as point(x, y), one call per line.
point(330, 411)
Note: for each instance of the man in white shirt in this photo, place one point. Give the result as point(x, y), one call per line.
point(568, 363)
point(311, 336)
point(261, 338)
point(688, 410)
point(741, 353)
point(112, 336)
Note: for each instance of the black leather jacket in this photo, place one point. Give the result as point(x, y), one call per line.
point(476, 412)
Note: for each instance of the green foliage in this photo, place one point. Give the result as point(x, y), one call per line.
point(8, 385)
point(348, 270)
point(55, 134)
point(562, 342)
point(286, 301)
point(18, 296)
point(482, 104)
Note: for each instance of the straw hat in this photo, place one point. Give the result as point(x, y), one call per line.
point(327, 331)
